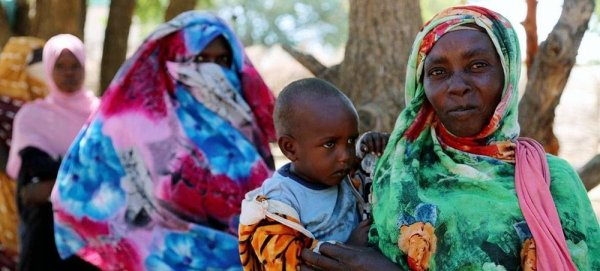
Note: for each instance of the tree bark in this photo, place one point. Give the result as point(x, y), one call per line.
point(5, 32)
point(549, 73)
point(53, 17)
point(372, 73)
point(530, 25)
point(374, 67)
point(114, 50)
point(22, 27)
point(590, 173)
point(178, 6)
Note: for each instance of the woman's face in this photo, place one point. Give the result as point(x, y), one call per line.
point(68, 74)
point(463, 80)
point(218, 52)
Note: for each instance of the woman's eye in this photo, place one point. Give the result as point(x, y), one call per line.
point(352, 141)
point(224, 59)
point(328, 145)
point(435, 72)
point(479, 65)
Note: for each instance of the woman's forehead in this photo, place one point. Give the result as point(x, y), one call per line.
point(466, 42)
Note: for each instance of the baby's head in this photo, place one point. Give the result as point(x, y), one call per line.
point(317, 128)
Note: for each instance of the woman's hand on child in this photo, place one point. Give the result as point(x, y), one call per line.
point(360, 234)
point(344, 257)
point(374, 142)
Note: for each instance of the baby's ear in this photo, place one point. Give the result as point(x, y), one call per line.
point(287, 145)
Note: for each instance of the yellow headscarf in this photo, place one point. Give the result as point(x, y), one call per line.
point(19, 83)
point(15, 82)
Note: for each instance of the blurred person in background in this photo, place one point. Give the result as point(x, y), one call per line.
point(43, 132)
point(21, 80)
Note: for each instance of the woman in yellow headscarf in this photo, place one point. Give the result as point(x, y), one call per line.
point(21, 80)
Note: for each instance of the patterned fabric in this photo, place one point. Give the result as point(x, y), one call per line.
point(9, 245)
point(19, 80)
point(156, 179)
point(270, 234)
point(326, 213)
point(442, 202)
point(18, 84)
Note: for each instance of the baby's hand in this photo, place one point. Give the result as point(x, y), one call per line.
point(360, 234)
point(374, 142)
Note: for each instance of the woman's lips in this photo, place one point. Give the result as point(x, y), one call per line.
point(462, 112)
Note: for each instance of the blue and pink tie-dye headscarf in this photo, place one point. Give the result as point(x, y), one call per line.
point(155, 180)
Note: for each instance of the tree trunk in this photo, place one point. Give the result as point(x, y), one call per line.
point(178, 6)
point(5, 32)
point(549, 73)
point(374, 67)
point(53, 17)
point(22, 26)
point(40, 13)
point(590, 173)
point(530, 25)
point(115, 45)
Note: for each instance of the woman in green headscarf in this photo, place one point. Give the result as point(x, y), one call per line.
point(456, 188)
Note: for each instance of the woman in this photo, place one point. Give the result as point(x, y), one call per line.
point(156, 180)
point(456, 188)
point(43, 132)
point(20, 81)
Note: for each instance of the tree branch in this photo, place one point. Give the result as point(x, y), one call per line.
point(590, 173)
point(550, 70)
point(306, 60)
point(530, 25)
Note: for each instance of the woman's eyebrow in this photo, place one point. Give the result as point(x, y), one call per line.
point(436, 60)
point(475, 52)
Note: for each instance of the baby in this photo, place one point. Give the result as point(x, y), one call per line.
point(312, 198)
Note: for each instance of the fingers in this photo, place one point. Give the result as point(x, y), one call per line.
point(315, 260)
point(365, 223)
point(351, 249)
point(340, 251)
point(374, 143)
point(305, 267)
point(367, 142)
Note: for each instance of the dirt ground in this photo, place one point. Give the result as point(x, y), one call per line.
point(577, 122)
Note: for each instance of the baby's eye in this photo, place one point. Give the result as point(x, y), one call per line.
point(328, 145)
point(352, 141)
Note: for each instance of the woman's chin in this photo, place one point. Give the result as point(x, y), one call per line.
point(69, 90)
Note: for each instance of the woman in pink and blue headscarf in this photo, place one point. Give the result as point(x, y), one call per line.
point(156, 179)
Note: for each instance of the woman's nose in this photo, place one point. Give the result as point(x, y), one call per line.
point(458, 84)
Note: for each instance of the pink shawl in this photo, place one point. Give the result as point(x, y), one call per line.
point(532, 180)
point(52, 123)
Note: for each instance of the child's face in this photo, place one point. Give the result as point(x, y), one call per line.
point(324, 143)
